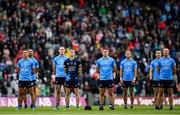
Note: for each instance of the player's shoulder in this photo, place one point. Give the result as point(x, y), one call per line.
point(161, 59)
point(67, 60)
point(124, 60)
point(100, 59)
point(111, 58)
point(34, 59)
point(65, 57)
point(56, 57)
point(171, 59)
point(31, 60)
point(77, 60)
point(20, 60)
point(134, 61)
point(153, 61)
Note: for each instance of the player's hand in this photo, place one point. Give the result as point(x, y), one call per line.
point(121, 82)
point(114, 80)
point(53, 77)
point(150, 78)
point(133, 82)
point(37, 81)
point(98, 81)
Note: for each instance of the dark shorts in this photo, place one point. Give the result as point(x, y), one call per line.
point(23, 84)
point(72, 84)
point(106, 83)
point(127, 84)
point(166, 83)
point(34, 82)
point(155, 83)
point(60, 80)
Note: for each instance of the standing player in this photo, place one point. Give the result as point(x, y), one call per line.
point(25, 68)
point(166, 68)
point(154, 76)
point(72, 68)
point(128, 74)
point(58, 69)
point(34, 77)
point(106, 68)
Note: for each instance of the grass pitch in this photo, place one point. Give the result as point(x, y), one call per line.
point(119, 110)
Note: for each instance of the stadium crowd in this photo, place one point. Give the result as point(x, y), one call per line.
point(86, 26)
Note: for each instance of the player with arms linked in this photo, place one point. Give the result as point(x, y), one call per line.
point(25, 69)
point(34, 77)
point(154, 77)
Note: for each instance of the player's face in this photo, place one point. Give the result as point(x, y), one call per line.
point(165, 52)
point(61, 50)
point(72, 53)
point(128, 54)
point(158, 54)
point(105, 53)
point(30, 52)
point(25, 53)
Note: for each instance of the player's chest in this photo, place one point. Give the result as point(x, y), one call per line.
point(105, 63)
point(128, 65)
point(72, 63)
point(60, 61)
point(166, 63)
point(25, 64)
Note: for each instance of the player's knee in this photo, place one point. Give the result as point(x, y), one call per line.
point(21, 93)
point(110, 94)
point(156, 93)
point(170, 94)
point(58, 93)
point(125, 93)
point(31, 93)
point(102, 94)
point(131, 94)
point(160, 94)
point(67, 94)
point(77, 94)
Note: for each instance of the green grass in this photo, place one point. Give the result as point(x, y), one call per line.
point(138, 110)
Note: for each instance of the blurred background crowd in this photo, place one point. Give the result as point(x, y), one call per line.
point(87, 26)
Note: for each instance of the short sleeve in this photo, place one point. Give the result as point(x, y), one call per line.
point(135, 65)
point(151, 66)
point(114, 63)
point(33, 64)
point(97, 64)
point(65, 63)
point(54, 61)
point(18, 64)
point(37, 64)
point(121, 64)
point(173, 63)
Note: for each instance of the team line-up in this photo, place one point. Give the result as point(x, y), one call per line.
point(67, 70)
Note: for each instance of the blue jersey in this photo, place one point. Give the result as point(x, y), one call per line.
point(128, 67)
point(153, 67)
point(106, 65)
point(166, 65)
point(58, 61)
point(25, 66)
point(72, 67)
point(36, 66)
